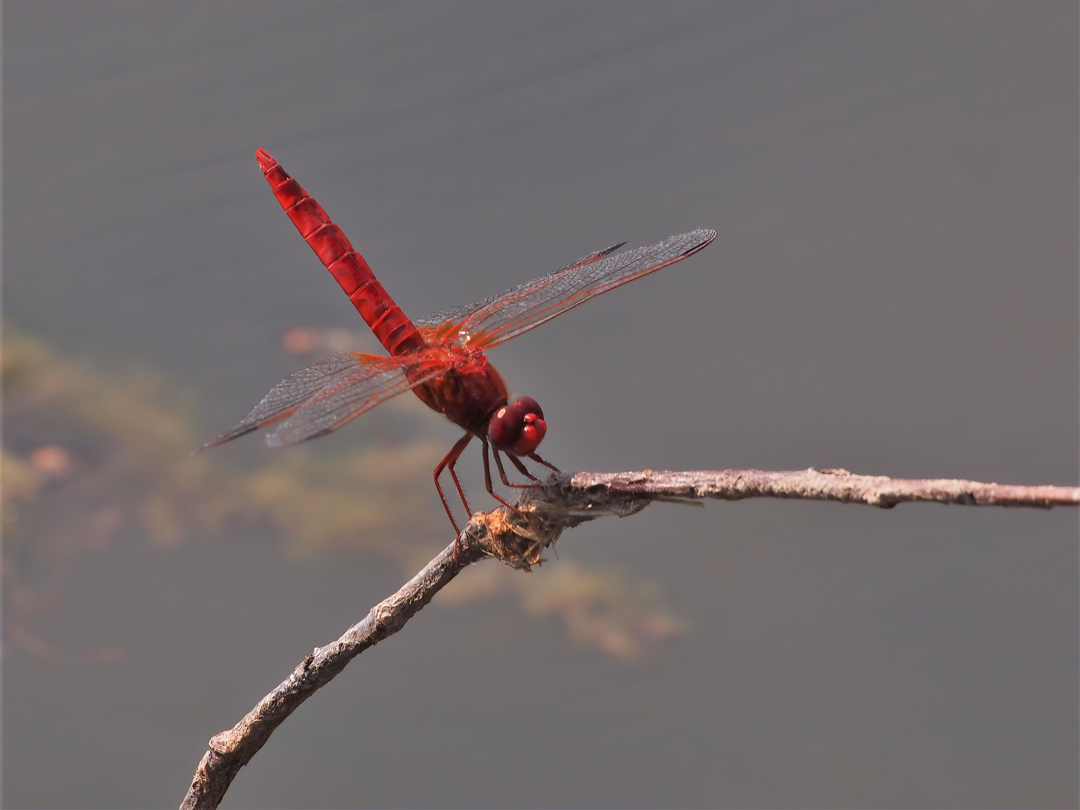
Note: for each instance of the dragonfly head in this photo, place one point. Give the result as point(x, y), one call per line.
point(517, 427)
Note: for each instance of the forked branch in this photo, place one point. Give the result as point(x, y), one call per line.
point(563, 502)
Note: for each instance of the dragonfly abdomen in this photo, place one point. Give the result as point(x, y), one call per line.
point(391, 326)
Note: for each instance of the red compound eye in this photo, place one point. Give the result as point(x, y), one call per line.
point(518, 427)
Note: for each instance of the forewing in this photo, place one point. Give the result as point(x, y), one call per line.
point(355, 377)
point(451, 318)
point(356, 390)
point(531, 304)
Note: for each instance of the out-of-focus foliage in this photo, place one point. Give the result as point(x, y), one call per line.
point(88, 455)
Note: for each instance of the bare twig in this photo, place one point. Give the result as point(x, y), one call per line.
point(563, 502)
point(230, 750)
point(819, 485)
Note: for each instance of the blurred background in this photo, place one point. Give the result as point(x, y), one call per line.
point(893, 291)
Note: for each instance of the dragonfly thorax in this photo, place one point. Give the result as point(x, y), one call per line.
point(517, 427)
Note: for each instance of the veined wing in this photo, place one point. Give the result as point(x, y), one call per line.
point(525, 307)
point(356, 391)
point(450, 318)
point(327, 395)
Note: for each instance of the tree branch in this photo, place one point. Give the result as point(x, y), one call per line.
point(519, 540)
point(819, 485)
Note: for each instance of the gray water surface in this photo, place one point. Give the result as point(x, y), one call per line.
point(893, 291)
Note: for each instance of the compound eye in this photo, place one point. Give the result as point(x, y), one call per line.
point(518, 427)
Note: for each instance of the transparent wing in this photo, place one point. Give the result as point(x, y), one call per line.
point(457, 314)
point(358, 390)
point(331, 393)
point(490, 322)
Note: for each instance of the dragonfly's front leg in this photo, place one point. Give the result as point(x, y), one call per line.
point(517, 463)
point(502, 474)
point(547, 464)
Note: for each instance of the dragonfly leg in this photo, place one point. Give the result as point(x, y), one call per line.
point(518, 464)
point(502, 473)
point(449, 461)
point(547, 464)
point(499, 464)
point(523, 470)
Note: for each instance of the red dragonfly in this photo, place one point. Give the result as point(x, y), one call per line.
point(439, 358)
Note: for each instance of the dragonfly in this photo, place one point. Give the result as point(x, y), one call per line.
point(441, 358)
